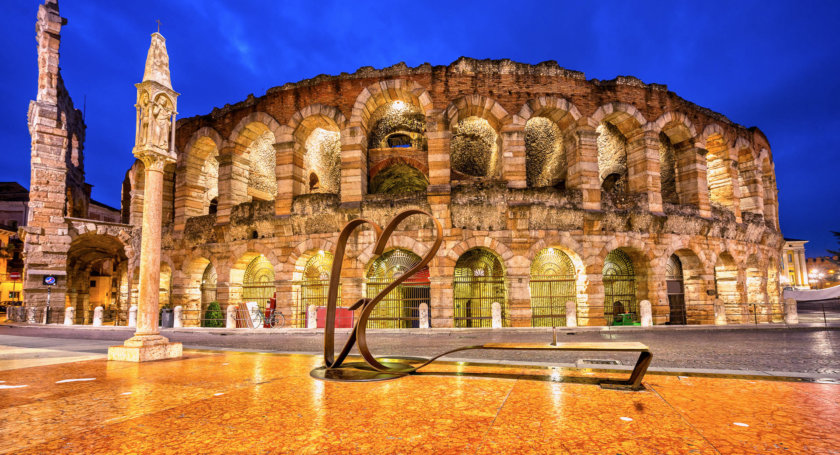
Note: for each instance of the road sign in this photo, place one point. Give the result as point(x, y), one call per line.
point(49, 280)
point(14, 276)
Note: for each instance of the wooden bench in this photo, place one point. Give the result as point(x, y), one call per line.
point(635, 381)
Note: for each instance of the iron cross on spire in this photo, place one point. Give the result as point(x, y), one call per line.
point(158, 22)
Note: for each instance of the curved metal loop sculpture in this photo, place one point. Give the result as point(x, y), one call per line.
point(366, 304)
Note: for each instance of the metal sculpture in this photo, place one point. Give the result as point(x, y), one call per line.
point(373, 369)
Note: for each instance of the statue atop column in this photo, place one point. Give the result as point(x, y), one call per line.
point(154, 145)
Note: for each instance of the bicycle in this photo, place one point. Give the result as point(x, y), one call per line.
point(275, 319)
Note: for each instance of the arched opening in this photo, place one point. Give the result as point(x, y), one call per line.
point(258, 282)
point(668, 170)
point(612, 160)
point(718, 178)
point(726, 286)
point(397, 124)
point(262, 180)
point(94, 262)
point(401, 307)
point(475, 149)
point(214, 206)
point(479, 282)
point(398, 178)
point(545, 160)
point(675, 287)
point(208, 296)
point(553, 283)
point(619, 287)
point(322, 160)
point(313, 286)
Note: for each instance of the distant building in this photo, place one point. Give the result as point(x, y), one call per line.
point(14, 204)
point(11, 265)
point(794, 271)
point(824, 271)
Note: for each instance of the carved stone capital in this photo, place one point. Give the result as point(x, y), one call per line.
point(153, 161)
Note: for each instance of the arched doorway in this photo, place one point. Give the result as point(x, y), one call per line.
point(675, 287)
point(313, 286)
point(619, 287)
point(727, 288)
point(552, 285)
point(208, 291)
point(258, 282)
point(401, 307)
point(479, 282)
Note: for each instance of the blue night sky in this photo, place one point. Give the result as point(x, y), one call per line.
point(775, 65)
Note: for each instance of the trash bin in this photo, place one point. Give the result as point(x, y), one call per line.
point(166, 319)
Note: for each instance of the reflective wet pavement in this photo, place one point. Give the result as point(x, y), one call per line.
point(231, 402)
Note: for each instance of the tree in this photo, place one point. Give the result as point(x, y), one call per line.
point(213, 316)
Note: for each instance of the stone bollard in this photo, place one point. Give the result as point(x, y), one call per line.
point(720, 312)
point(30, 315)
point(423, 314)
point(230, 322)
point(97, 316)
point(311, 317)
point(646, 314)
point(178, 315)
point(69, 315)
point(496, 312)
point(571, 314)
point(132, 316)
point(791, 315)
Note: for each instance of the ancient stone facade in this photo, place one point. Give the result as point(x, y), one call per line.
point(59, 240)
point(551, 188)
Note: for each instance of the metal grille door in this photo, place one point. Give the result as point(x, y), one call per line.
point(619, 287)
point(552, 285)
point(401, 307)
point(479, 281)
point(676, 290)
point(258, 284)
point(314, 287)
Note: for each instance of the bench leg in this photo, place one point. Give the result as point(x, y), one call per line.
point(639, 371)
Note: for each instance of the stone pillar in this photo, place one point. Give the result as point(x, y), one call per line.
point(290, 178)
point(442, 305)
point(353, 166)
point(519, 300)
point(496, 312)
point(97, 316)
point(720, 312)
point(233, 182)
point(423, 315)
point(513, 156)
point(643, 168)
point(178, 317)
point(692, 186)
point(791, 315)
point(311, 317)
point(571, 314)
point(132, 316)
point(646, 313)
point(230, 321)
point(582, 159)
point(69, 315)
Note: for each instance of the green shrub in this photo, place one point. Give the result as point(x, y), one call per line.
point(213, 316)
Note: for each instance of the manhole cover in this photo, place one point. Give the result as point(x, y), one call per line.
point(599, 361)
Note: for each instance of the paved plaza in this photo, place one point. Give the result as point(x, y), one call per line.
point(233, 402)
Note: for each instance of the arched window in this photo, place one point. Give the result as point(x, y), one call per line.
point(545, 162)
point(258, 282)
point(313, 287)
point(619, 287)
point(401, 307)
point(552, 285)
point(479, 282)
point(208, 289)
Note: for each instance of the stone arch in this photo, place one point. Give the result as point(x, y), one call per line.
point(500, 249)
point(750, 180)
point(92, 258)
point(197, 176)
point(676, 143)
point(476, 124)
point(625, 279)
point(479, 281)
point(384, 92)
point(398, 175)
point(619, 125)
point(195, 306)
point(254, 158)
point(252, 278)
point(698, 307)
point(314, 133)
point(553, 282)
point(400, 308)
point(723, 191)
point(547, 123)
point(771, 192)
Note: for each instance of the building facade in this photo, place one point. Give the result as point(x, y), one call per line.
point(823, 271)
point(551, 188)
point(794, 268)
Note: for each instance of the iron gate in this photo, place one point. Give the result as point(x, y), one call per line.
point(619, 287)
point(401, 307)
point(479, 282)
point(676, 290)
point(552, 285)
